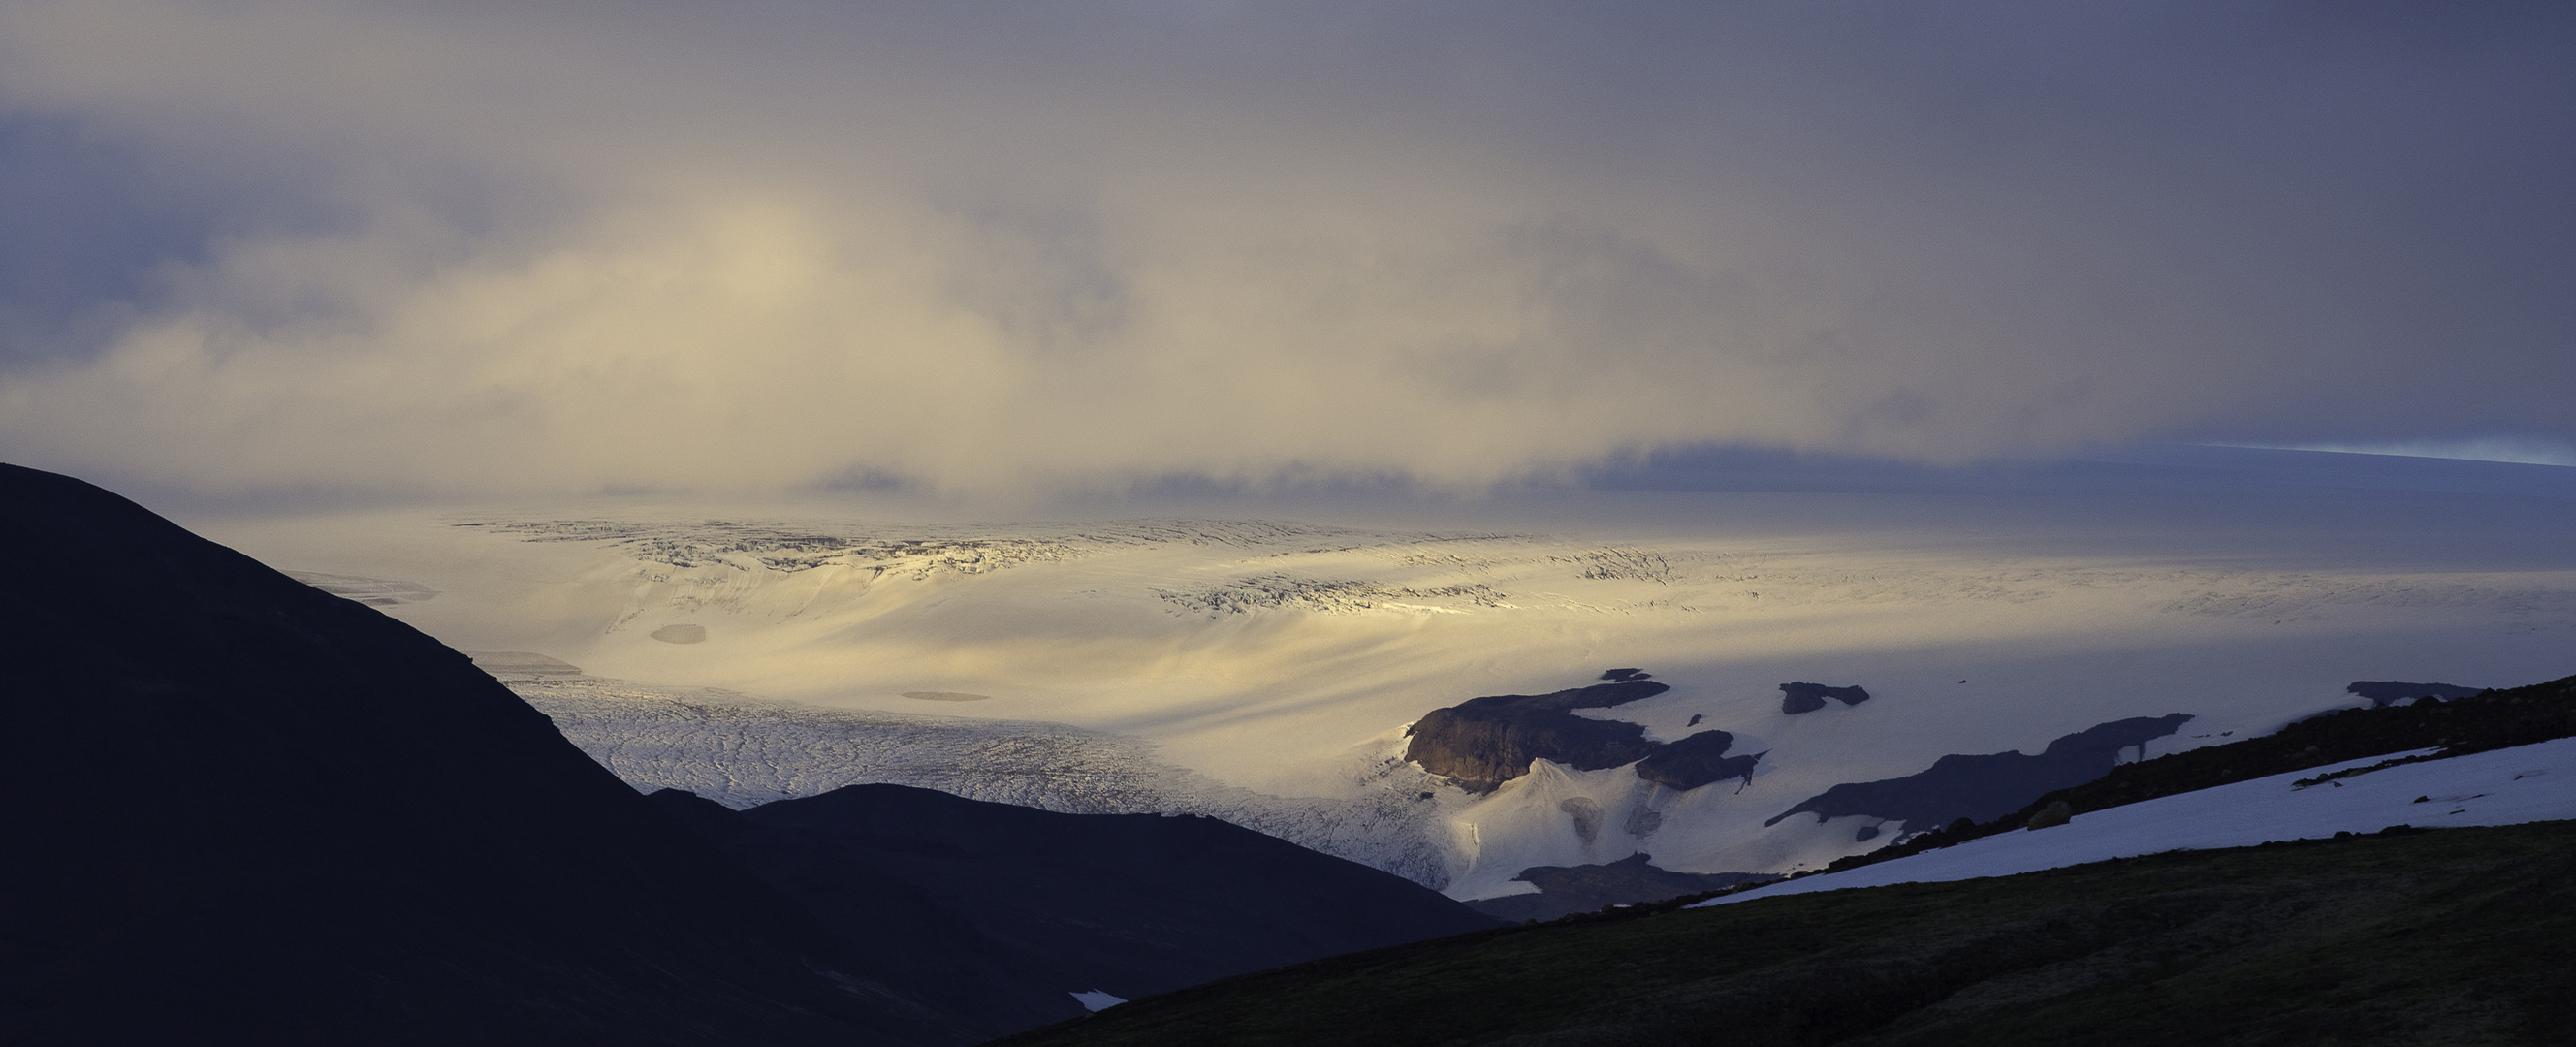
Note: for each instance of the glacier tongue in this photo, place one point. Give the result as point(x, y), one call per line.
point(742, 752)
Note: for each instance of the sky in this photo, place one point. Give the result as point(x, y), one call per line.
point(473, 250)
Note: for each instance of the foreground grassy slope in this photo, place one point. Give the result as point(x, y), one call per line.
point(2452, 936)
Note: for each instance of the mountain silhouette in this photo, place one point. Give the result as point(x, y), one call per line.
point(243, 810)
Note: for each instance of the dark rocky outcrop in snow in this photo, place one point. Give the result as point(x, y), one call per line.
point(1980, 788)
point(1003, 912)
point(1483, 742)
point(1568, 889)
point(1803, 697)
point(243, 810)
point(1696, 761)
point(2383, 692)
point(1584, 813)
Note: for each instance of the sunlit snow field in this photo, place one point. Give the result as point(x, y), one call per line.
point(2526, 783)
point(1260, 657)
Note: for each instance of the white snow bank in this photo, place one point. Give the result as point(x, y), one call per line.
point(2529, 783)
point(1096, 1001)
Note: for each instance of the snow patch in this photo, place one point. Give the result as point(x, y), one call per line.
point(2528, 783)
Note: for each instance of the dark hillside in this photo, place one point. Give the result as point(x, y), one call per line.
point(243, 810)
point(2448, 936)
point(1001, 913)
point(1568, 889)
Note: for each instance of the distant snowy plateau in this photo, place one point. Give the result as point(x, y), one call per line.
point(1266, 672)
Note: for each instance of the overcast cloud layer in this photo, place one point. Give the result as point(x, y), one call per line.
point(481, 248)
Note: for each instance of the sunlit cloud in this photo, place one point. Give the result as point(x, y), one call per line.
point(1055, 247)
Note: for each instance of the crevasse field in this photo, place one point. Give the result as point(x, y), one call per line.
point(1260, 659)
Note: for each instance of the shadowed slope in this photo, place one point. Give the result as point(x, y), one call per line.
point(1003, 912)
point(1569, 889)
point(245, 810)
point(2446, 936)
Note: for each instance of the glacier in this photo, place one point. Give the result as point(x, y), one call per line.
point(1264, 669)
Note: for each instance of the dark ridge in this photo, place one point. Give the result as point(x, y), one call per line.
point(244, 810)
point(2383, 692)
point(1696, 761)
point(1802, 697)
point(1002, 912)
point(2487, 720)
point(1483, 742)
point(2403, 937)
point(1625, 675)
point(1568, 889)
point(1982, 787)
